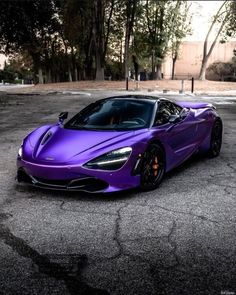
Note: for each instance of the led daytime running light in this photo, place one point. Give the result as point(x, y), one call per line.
point(113, 160)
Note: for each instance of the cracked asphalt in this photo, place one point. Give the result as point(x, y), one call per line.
point(178, 239)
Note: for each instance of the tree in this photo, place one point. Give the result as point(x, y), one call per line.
point(181, 29)
point(24, 25)
point(114, 62)
point(85, 33)
point(99, 37)
point(76, 34)
point(131, 6)
point(162, 18)
point(234, 56)
point(225, 17)
point(78, 39)
point(221, 69)
point(103, 12)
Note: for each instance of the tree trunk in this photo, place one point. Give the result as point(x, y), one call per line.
point(40, 73)
point(99, 72)
point(202, 75)
point(206, 54)
point(88, 69)
point(73, 64)
point(99, 68)
point(69, 74)
point(121, 51)
point(99, 38)
point(49, 76)
point(153, 64)
point(76, 73)
point(158, 72)
point(126, 55)
point(130, 14)
point(136, 66)
point(173, 67)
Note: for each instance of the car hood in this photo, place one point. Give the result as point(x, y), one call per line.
point(59, 145)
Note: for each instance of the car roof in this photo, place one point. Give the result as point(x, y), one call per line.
point(140, 97)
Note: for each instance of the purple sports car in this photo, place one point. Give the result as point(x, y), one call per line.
point(118, 143)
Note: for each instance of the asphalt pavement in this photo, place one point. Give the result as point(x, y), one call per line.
point(177, 239)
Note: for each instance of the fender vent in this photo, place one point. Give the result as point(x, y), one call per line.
point(46, 137)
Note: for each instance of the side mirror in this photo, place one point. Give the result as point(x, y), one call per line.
point(63, 116)
point(184, 112)
point(174, 119)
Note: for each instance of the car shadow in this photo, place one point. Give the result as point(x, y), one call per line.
point(192, 162)
point(75, 195)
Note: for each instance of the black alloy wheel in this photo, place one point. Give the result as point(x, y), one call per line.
point(216, 139)
point(153, 167)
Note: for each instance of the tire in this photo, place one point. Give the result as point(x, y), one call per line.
point(216, 139)
point(153, 167)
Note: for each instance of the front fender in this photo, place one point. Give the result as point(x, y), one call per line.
point(32, 140)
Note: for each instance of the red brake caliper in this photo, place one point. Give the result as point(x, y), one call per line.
point(155, 166)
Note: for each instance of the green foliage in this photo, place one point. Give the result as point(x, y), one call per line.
point(226, 16)
point(165, 22)
point(18, 67)
point(160, 29)
point(66, 38)
point(114, 70)
point(230, 30)
point(6, 76)
point(224, 70)
point(24, 23)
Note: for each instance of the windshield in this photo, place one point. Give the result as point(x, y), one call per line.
point(115, 114)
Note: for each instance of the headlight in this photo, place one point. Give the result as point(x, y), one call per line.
point(111, 161)
point(20, 152)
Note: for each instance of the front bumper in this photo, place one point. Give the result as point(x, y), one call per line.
point(76, 178)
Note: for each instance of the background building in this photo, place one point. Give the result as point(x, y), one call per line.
point(189, 63)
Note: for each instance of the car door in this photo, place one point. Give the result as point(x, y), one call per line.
point(179, 136)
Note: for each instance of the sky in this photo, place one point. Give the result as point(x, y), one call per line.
point(203, 12)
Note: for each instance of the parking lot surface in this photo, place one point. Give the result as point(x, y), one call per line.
point(177, 239)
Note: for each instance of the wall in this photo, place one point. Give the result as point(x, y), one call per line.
point(189, 62)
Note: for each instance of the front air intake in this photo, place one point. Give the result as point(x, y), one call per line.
point(22, 176)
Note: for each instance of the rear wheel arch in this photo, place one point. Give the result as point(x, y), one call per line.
point(219, 120)
point(216, 138)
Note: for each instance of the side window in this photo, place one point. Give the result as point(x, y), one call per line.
point(176, 109)
point(165, 109)
point(162, 114)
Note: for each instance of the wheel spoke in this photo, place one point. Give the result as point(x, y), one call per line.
point(153, 167)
